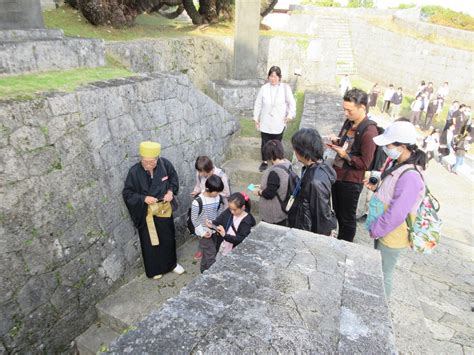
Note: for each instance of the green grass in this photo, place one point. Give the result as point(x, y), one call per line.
point(432, 38)
point(446, 17)
point(28, 86)
point(247, 125)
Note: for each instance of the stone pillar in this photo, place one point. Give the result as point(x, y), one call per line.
point(20, 14)
point(247, 24)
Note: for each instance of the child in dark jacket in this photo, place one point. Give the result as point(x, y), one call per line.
point(234, 224)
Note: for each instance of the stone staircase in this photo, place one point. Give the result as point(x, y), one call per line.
point(338, 28)
point(121, 310)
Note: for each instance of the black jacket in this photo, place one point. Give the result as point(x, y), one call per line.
point(224, 219)
point(312, 207)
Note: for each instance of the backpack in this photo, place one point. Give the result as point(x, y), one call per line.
point(379, 155)
point(424, 232)
point(189, 222)
point(293, 183)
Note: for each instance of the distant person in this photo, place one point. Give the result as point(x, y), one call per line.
point(234, 224)
point(429, 90)
point(433, 108)
point(396, 102)
point(355, 150)
point(149, 189)
point(345, 85)
point(443, 92)
point(416, 108)
point(397, 196)
point(311, 209)
point(420, 88)
point(459, 119)
point(452, 110)
point(460, 146)
point(374, 94)
point(273, 187)
point(208, 209)
point(431, 144)
point(387, 98)
point(274, 107)
point(204, 169)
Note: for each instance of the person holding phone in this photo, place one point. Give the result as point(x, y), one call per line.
point(207, 206)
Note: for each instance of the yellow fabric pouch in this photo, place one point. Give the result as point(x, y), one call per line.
point(160, 209)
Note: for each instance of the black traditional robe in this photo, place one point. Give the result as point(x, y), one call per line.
point(158, 259)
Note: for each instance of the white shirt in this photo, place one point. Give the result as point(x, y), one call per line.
point(388, 94)
point(273, 104)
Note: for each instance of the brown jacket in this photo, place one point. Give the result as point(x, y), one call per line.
point(354, 170)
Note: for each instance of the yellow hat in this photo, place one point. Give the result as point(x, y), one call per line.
point(150, 149)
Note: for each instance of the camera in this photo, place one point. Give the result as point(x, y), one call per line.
point(373, 180)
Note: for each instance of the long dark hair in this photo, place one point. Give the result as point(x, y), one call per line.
point(240, 200)
point(417, 158)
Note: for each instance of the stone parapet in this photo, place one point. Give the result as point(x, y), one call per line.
point(32, 34)
point(66, 238)
point(36, 51)
point(280, 291)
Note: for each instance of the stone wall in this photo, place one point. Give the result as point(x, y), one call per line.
point(44, 50)
point(281, 291)
point(341, 11)
point(387, 57)
point(410, 19)
point(66, 237)
point(206, 59)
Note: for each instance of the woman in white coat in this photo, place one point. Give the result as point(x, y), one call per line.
point(274, 107)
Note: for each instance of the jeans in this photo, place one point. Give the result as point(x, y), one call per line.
point(389, 260)
point(345, 197)
point(459, 162)
point(395, 111)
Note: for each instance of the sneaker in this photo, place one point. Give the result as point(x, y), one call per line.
point(198, 255)
point(157, 277)
point(178, 269)
point(263, 167)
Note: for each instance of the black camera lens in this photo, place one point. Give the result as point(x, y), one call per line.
point(373, 180)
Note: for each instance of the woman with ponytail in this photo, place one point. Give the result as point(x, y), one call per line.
point(397, 196)
point(234, 224)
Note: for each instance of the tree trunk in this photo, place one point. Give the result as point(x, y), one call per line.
point(192, 12)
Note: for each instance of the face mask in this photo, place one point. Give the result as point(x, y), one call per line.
point(392, 153)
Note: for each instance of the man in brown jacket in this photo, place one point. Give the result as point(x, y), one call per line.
point(355, 150)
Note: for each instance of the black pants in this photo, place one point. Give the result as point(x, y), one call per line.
point(268, 137)
point(345, 196)
point(386, 106)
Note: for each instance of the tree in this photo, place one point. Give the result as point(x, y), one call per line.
point(120, 13)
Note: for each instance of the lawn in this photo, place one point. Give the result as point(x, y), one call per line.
point(27, 86)
point(248, 126)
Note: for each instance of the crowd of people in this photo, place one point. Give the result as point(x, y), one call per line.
point(322, 200)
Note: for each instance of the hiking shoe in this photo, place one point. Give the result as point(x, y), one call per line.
point(157, 277)
point(263, 167)
point(178, 269)
point(198, 255)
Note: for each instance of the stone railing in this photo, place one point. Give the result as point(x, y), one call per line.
point(410, 20)
point(280, 291)
point(67, 240)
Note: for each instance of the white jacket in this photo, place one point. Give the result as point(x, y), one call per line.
point(273, 104)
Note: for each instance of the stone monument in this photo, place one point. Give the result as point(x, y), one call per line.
point(247, 23)
point(20, 14)
point(238, 94)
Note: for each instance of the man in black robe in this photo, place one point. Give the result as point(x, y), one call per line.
point(149, 190)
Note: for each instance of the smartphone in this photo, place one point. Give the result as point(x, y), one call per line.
point(251, 187)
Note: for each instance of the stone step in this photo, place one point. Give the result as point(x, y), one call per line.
point(136, 299)
point(243, 172)
point(95, 339)
point(249, 148)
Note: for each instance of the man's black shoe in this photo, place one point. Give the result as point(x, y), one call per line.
point(263, 166)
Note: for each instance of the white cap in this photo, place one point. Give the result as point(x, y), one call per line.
point(399, 131)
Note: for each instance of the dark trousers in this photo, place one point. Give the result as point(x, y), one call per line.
point(268, 137)
point(345, 196)
point(209, 252)
point(429, 119)
point(386, 106)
